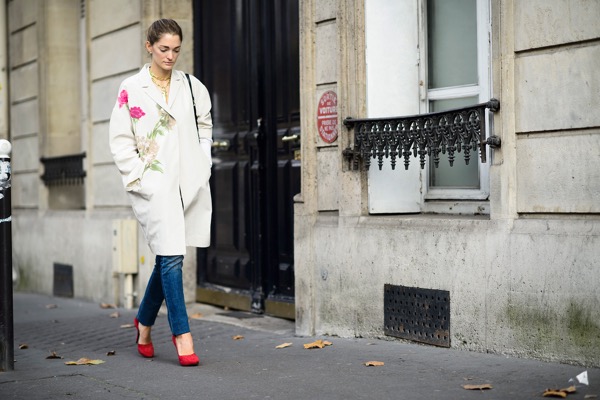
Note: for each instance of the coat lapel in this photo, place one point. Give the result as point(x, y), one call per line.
point(176, 83)
point(152, 91)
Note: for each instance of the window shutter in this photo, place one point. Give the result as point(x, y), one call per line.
point(392, 58)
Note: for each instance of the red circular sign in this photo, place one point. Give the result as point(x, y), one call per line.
point(327, 118)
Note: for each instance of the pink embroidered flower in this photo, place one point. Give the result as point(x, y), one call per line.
point(136, 112)
point(122, 98)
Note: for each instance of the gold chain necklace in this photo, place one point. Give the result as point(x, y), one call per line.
point(158, 82)
point(168, 78)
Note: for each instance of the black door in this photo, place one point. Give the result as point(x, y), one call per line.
point(247, 54)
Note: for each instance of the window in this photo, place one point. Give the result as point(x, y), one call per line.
point(456, 65)
point(427, 56)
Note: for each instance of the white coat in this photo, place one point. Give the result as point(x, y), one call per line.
point(165, 171)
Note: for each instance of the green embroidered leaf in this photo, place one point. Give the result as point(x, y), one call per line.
point(155, 166)
point(149, 143)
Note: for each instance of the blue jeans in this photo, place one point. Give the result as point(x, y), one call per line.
point(166, 283)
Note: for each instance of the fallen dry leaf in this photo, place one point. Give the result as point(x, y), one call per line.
point(554, 393)
point(53, 355)
point(318, 344)
point(590, 396)
point(483, 386)
point(283, 345)
point(106, 305)
point(196, 315)
point(49, 306)
point(111, 353)
point(84, 361)
point(23, 346)
point(238, 337)
point(560, 392)
point(115, 315)
point(374, 363)
point(127, 326)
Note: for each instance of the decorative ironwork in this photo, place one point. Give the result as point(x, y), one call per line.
point(457, 130)
point(63, 170)
point(413, 313)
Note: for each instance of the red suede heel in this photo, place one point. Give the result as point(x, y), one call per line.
point(146, 350)
point(189, 360)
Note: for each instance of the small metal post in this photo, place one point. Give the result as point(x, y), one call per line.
point(7, 351)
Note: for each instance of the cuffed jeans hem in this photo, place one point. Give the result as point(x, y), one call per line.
point(165, 284)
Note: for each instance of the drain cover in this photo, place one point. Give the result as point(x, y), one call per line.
point(422, 315)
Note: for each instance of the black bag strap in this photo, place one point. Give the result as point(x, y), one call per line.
point(194, 104)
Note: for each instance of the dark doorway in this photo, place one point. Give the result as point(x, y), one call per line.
point(247, 54)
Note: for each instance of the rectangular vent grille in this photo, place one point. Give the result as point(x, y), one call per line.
point(63, 280)
point(422, 315)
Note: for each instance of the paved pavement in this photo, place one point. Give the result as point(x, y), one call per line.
point(252, 367)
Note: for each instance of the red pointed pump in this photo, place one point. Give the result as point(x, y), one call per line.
point(146, 350)
point(189, 360)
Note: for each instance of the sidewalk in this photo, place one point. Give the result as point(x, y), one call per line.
point(251, 367)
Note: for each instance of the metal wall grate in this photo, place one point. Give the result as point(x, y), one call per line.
point(63, 280)
point(64, 170)
point(422, 315)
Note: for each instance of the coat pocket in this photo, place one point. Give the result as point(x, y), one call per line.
point(142, 187)
point(141, 192)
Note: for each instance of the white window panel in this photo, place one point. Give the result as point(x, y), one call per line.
point(438, 198)
point(392, 58)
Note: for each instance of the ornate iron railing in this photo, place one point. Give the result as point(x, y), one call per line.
point(63, 170)
point(457, 130)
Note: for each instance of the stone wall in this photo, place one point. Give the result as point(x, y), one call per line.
point(523, 279)
point(557, 90)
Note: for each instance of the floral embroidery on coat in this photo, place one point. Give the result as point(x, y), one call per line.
point(123, 98)
point(147, 146)
point(136, 112)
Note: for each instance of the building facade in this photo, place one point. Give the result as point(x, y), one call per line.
point(511, 244)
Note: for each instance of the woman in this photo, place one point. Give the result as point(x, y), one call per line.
point(161, 145)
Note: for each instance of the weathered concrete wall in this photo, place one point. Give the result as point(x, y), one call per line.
point(557, 89)
point(572, 161)
point(66, 237)
point(24, 100)
point(60, 77)
point(523, 280)
point(338, 67)
point(529, 289)
point(542, 23)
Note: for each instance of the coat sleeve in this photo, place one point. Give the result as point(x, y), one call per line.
point(203, 107)
point(123, 145)
point(204, 119)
